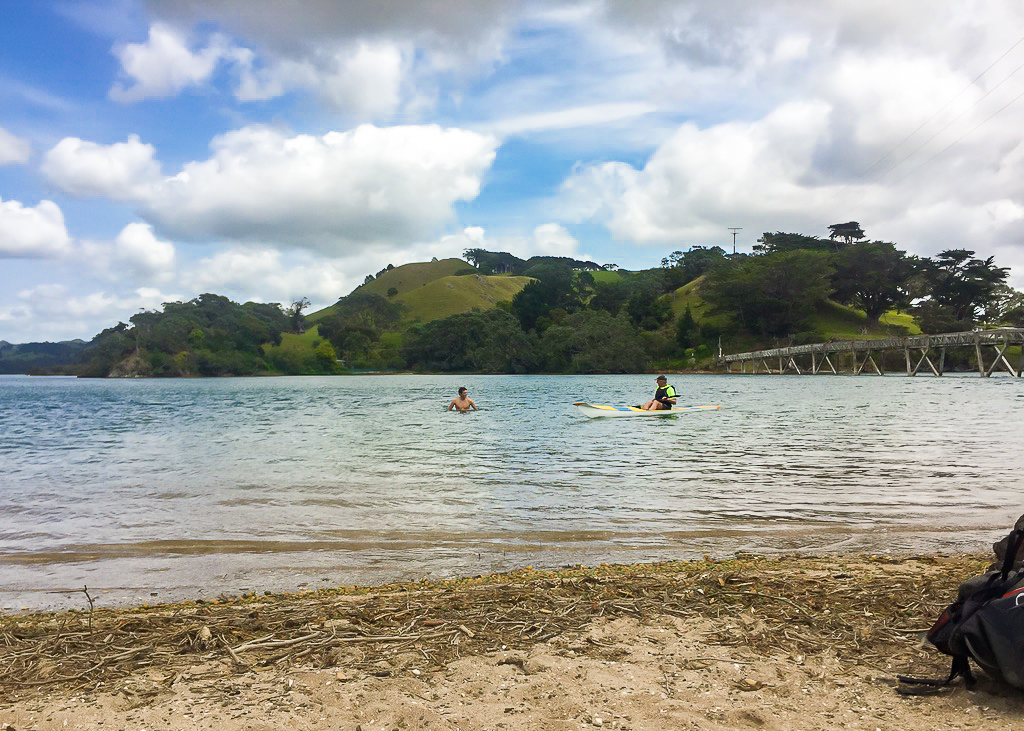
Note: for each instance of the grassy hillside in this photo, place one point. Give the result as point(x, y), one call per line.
point(840, 322)
point(411, 276)
point(606, 276)
point(453, 295)
point(832, 321)
point(404, 279)
point(431, 291)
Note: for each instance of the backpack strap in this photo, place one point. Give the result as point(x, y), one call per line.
point(910, 685)
point(1013, 544)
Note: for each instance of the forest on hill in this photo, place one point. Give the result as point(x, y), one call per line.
point(495, 313)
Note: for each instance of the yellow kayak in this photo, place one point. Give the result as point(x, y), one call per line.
point(595, 410)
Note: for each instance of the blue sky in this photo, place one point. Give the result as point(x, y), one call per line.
point(153, 150)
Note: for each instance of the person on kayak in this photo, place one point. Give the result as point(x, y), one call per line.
point(462, 402)
point(664, 397)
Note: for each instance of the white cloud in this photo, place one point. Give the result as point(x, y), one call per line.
point(122, 171)
point(164, 65)
point(547, 239)
point(698, 178)
point(135, 254)
point(32, 232)
point(459, 26)
point(138, 247)
point(13, 150)
point(334, 193)
point(363, 81)
point(55, 312)
point(266, 275)
point(573, 118)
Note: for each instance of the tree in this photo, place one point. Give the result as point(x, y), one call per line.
point(963, 283)
point(1006, 307)
point(686, 329)
point(770, 295)
point(556, 286)
point(210, 335)
point(609, 296)
point(647, 309)
point(592, 341)
point(872, 276)
point(485, 342)
point(294, 313)
point(490, 262)
point(779, 242)
point(845, 232)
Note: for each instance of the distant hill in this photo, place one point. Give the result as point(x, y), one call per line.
point(38, 357)
point(434, 290)
point(410, 276)
point(454, 295)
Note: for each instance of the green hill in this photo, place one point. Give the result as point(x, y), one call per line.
point(433, 290)
point(831, 321)
point(410, 276)
point(403, 279)
point(454, 295)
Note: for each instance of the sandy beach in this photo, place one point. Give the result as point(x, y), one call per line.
point(794, 643)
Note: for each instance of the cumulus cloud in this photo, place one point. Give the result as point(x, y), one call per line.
point(37, 232)
point(134, 254)
point(460, 25)
point(369, 62)
point(331, 193)
point(55, 312)
point(267, 275)
point(164, 65)
point(13, 150)
point(547, 239)
point(122, 171)
point(363, 80)
point(698, 177)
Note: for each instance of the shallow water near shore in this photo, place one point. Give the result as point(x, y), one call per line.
point(155, 490)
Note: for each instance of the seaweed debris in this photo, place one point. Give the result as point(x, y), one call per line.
point(866, 610)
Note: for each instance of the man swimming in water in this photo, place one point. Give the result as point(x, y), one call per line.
point(462, 402)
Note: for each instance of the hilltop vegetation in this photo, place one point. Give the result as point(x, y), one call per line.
point(496, 313)
point(38, 357)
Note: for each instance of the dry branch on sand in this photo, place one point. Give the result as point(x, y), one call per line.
point(864, 609)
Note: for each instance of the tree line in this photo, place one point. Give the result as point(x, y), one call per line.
point(577, 317)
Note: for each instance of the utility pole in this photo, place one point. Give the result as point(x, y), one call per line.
point(734, 230)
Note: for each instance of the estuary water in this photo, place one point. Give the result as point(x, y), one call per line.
point(156, 490)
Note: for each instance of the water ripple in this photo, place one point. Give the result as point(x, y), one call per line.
point(293, 461)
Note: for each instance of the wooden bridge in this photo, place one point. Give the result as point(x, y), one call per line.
point(921, 351)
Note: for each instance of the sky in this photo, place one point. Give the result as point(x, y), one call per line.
point(155, 150)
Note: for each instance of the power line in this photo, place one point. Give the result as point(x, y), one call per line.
point(940, 152)
point(939, 110)
point(948, 124)
point(933, 116)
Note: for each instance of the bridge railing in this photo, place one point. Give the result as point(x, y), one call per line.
point(999, 338)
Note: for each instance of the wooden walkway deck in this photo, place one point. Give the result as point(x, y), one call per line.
point(921, 351)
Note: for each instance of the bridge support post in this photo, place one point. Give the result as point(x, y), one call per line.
point(1001, 358)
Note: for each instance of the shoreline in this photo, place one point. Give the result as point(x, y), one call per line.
point(124, 576)
point(791, 642)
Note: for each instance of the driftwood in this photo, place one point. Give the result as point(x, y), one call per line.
point(864, 609)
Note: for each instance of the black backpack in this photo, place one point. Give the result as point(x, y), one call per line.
point(985, 623)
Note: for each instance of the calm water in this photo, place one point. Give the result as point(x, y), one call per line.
point(147, 490)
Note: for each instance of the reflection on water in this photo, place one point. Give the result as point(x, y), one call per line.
point(187, 487)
